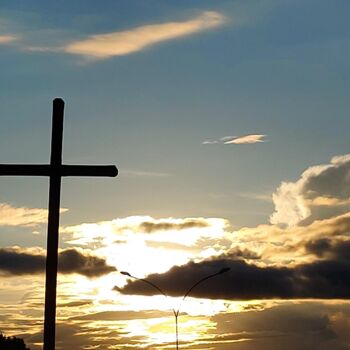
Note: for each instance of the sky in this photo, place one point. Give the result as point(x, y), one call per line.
point(228, 122)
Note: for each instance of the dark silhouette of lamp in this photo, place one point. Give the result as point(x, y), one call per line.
point(177, 311)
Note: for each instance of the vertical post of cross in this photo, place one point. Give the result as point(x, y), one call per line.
point(55, 170)
point(53, 224)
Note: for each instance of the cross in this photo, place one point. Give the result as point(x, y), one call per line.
point(55, 170)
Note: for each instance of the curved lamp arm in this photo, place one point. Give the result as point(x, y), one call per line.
point(149, 283)
point(176, 312)
point(223, 270)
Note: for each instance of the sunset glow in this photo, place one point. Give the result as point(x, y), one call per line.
point(205, 175)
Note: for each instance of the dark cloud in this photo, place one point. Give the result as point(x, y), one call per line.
point(72, 260)
point(326, 248)
point(319, 279)
point(238, 253)
point(76, 303)
point(332, 182)
point(20, 263)
point(243, 281)
point(16, 262)
point(318, 246)
point(150, 227)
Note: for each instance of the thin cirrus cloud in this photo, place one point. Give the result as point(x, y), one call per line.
point(121, 43)
point(6, 39)
point(237, 140)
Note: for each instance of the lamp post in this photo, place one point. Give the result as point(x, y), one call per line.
point(177, 311)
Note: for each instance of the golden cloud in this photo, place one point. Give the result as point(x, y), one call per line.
point(22, 216)
point(103, 46)
point(247, 139)
point(321, 192)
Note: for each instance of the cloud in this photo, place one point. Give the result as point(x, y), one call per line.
point(323, 279)
point(22, 216)
point(243, 282)
point(257, 196)
point(75, 261)
point(323, 191)
point(289, 326)
point(120, 315)
point(330, 249)
point(173, 241)
point(11, 216)
point(247, 139)
point(237, 140)
point(289, 246)
point(177, 225)
point(107, 232)
point(145, 174)
point(227, 138)
point(210, 142)
point(6, 39)
point(103, 46)
point(14, 261)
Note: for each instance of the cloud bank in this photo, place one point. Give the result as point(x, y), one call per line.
point(14, 261)
point(103, 46)
point(325, 279)
point(177, 225)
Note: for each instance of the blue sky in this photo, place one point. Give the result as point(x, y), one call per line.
point(277, 68)
point(274, 68)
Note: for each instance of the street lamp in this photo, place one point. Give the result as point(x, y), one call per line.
point(177, 311)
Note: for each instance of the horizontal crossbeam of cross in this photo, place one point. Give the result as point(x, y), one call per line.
point(61, 170)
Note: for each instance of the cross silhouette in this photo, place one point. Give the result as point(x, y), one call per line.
point(55, 171)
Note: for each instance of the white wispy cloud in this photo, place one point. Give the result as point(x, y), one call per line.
point(237, 140)
point(227, 138)
point(258, 196)
point(210, 142)
point(141, 173)
point(6, 39)
point(103, 46)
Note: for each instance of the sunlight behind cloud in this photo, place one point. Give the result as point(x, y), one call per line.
point(142, 245)
point(103, 46)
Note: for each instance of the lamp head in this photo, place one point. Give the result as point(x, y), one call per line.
point(125, 273)
point(223, 270)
